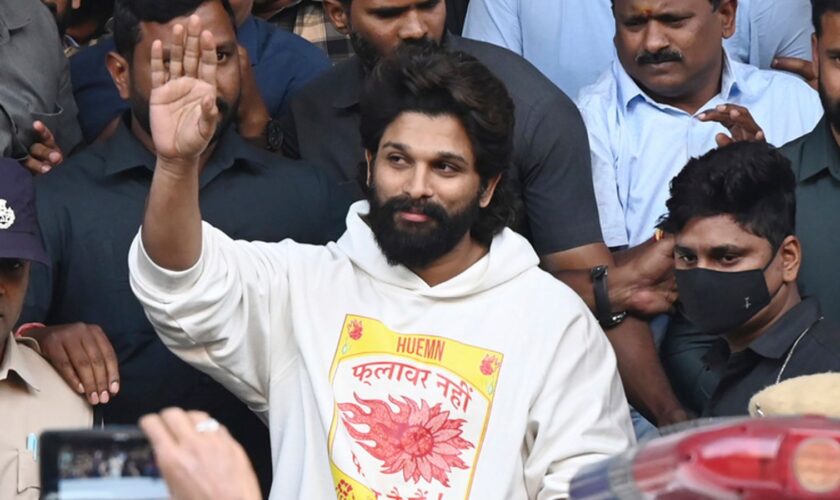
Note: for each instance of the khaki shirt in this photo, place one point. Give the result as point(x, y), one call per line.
point(33, 398)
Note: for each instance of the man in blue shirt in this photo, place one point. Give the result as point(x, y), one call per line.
point(280, 63)
point(672, 94)
point(571, 41)
point(90, 209)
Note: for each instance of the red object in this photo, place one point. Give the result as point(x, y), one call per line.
point(28, 326)
point(768, 458)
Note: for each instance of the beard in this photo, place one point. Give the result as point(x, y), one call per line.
point(416, 245)
point(830, 106)
point(370, 56)
point(140, 111)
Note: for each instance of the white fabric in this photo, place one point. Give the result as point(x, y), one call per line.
point(638, 145)
point(271, 321)
point(765, 29)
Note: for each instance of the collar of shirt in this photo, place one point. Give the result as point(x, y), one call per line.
point(247, 34)
point(629, 91)
point(125, 152)
point(777, 340)
point(825, 153)
point(352, 73)
point(15, 362)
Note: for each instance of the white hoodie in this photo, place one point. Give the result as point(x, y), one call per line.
point(498, 383)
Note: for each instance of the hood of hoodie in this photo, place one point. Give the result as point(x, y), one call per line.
point(510, 255)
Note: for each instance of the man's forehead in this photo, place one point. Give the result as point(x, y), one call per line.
point(214, 18)
point(716, 231)
point(654, 7)
point(392, 4)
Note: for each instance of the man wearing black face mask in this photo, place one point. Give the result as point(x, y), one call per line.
point(732, 212)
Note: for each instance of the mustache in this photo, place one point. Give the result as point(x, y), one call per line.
point(662, 56)
point(406, 204)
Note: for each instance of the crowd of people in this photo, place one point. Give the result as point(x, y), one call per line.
point(394, 260)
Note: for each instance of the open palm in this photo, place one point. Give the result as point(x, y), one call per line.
point(182, 106)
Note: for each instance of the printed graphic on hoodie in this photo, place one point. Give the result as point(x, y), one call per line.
point(411, 413)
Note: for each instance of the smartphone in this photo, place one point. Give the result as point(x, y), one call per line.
point(109, 463)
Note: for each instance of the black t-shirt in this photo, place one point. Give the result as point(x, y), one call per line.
point(802, 342)
point(551, 169)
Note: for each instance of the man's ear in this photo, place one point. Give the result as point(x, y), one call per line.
point(369, 160)
point(339, 16)
point(488, 190)
point(727, 11)
point(120, 73)
point(791, 253)
point(815, 53)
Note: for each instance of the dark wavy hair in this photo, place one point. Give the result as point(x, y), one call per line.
point(128, 14)
point(750, 181)
point(431, 80)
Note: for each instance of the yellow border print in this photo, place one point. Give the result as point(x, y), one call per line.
point(361, 336)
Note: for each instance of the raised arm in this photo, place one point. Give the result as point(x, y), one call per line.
point(183, 115)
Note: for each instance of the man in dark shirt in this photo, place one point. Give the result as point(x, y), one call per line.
point(550, 174)
point(90, 209)
point(737, 259)
point(816, 164)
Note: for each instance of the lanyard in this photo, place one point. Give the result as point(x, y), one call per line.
point(790, 353)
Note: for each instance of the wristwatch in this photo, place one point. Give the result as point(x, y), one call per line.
point(603, 308)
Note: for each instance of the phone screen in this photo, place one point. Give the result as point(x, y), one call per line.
point(105, 464)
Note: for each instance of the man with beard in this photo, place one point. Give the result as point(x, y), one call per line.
point(816, 164)
point(549, 174)
point(423, 354)
point(90, 209)
point(674, 93)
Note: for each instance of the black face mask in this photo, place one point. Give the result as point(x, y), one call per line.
point(719, 302)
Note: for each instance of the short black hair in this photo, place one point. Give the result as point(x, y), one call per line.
point(128, 14)
point(715, 3)
point(819, 8)
point(437, 82)
point(750, 181)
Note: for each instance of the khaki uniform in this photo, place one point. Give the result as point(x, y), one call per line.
point(33, 398)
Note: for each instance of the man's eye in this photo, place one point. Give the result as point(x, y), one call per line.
point(10, 265)
point(688, 259)
point(396, 159)
point(221, 56)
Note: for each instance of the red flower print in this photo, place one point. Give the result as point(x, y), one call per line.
point(354, 329)
point(419, 440)
point(489, 364)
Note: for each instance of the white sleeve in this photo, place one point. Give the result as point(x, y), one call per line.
point(580, 416)
point(776, 28)
point(604, 180)
point(228, 315)
point(496, 22)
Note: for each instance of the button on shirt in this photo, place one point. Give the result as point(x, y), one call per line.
point(800, 343)
point(579, 34)
point(638, 145)
point(33, 398)
point(816, 164)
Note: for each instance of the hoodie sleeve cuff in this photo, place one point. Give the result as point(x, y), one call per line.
point(162, 279)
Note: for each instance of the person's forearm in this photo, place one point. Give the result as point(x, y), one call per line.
point(171, 230)
point(641, 372)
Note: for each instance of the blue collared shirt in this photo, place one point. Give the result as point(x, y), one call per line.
point(570, 42)
point(765, 29)
point(282, 62)
point(638, 145)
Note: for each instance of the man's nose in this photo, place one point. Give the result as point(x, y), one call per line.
point(414, 27)
point(418, 185)
point(655, 38)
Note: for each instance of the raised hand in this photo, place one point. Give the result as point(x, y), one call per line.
point(182, 106)
point(737, 119)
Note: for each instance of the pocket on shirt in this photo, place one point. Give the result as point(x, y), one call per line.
point(51, 120)
point(28, 477)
